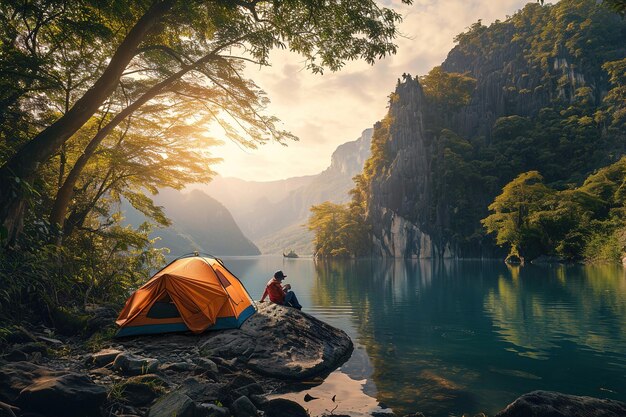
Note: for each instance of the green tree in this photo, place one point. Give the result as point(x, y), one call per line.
point(200, 36)
point(340, 230)
point(512, 211)
point(616, 97)
point(447, 91)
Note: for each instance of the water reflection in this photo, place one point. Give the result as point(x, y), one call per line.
point(466, 337)
point(470, 336)
point(546, 306)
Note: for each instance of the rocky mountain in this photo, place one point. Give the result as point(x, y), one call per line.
point(532, 92)
point(199, 222)
point(274, 214)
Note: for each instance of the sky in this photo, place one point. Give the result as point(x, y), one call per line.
point(327, 110)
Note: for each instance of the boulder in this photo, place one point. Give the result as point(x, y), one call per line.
point(243, 407)
point(65, 395)
point(16, 355)
point(173, 404)
point(16, 376)
point(179, 367)
point(141, 390)
point(206, 365)
point(281, 407)
point(129, 364)
point(240, 381)
point(277, 341)
point(103, 357)
point(139, 394)
point(283, 343)
point(200, 391)
point(211, 410)
point(555, 404)
point(259, 400)
point(248, 390)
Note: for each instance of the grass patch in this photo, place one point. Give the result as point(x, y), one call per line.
point(100, 339)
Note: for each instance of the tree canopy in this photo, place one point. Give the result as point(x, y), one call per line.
point(160, 50)
point(586, 222)
point(103, 103)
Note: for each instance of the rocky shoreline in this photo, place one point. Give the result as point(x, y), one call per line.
point(218, 373)
point(215, 374)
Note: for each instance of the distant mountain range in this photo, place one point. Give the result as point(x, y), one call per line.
point(199, 222)
point(274, 214)
point(227, 215)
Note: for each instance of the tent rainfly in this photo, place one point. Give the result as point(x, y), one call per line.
point(193, 293)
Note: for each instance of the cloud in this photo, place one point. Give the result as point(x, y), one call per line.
point(328, 110)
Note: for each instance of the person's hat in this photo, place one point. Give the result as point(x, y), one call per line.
point(279, 275)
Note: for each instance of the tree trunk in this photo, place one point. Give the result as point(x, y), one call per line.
point(66, 192)
point(22, 166)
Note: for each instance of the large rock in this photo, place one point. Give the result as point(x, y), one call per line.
point(277, 341)
point(211, 410)
point(103, 357)
point(142, 390)
point(65, 395)
point(173, 404)
point(282, 342)
point(281, 407)
point(206, 365)
point(14, 377)
point(129, 364)
point(243, 407)
point(201, 391)
point(555, 404)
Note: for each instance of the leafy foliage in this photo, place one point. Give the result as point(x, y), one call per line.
point(108, 102)
point(447, 91)
point(340, 230)
point(586, 222)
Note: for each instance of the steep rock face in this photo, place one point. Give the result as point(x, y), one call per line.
point(509, 83)
point(425, 202)
point(349, 158)
point(399, 230)
point(399, 238)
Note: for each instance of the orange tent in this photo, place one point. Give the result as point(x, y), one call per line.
point(191, 293)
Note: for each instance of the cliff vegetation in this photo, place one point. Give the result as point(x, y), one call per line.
point(536, 101)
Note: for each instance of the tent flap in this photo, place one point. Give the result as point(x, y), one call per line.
point(204, 293)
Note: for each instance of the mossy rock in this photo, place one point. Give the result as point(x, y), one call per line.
point(69, 322)
point(138, 392)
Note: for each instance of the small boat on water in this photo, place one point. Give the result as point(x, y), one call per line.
point(290, 254)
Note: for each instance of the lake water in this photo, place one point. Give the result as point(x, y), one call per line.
point(454, 337)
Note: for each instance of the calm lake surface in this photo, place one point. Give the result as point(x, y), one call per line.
point(453, 337)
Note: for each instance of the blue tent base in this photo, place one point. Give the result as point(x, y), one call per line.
point(220, 324)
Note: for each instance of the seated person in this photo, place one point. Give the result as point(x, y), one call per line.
point(280, 294)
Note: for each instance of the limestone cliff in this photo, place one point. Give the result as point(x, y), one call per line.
point(536, 104)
